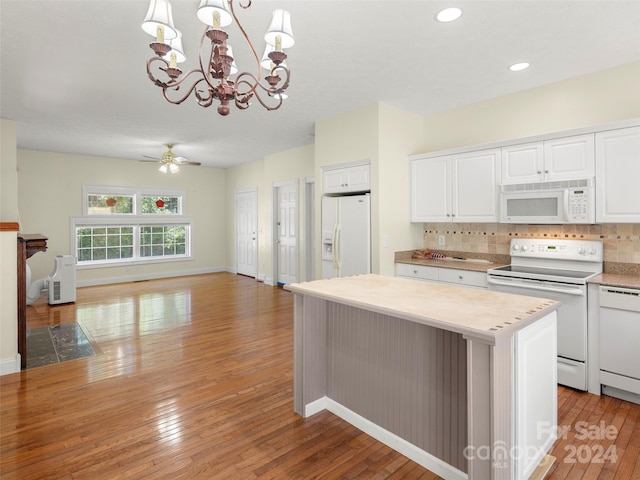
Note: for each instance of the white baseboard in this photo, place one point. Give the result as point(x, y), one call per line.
point(147, 276)
point(10, 365)
point(428, 461)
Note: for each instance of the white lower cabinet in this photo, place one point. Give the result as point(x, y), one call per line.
point(454, 276)
point(417, 272)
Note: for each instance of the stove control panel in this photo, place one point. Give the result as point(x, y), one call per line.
point(586, 250)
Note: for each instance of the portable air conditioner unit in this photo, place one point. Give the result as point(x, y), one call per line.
point(60, 285)
point(62, 281)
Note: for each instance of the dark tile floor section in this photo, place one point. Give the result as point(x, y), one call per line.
point(55, 344)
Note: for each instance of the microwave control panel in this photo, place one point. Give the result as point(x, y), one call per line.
point(579, 205)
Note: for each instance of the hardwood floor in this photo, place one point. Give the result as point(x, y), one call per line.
point(192, 378)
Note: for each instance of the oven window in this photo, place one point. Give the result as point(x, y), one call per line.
point(532, 207)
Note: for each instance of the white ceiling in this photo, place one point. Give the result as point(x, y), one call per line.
point(73, 72)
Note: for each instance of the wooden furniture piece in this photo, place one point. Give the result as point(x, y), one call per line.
point(460, 380)
point(28, 245)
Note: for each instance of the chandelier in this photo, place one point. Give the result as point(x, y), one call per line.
point(212, 81)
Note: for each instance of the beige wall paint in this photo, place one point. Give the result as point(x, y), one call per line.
point(400, 135)
point(50, 191)
point(8, 248)
point(601, 97)
point(8, 304)
point(8, 172)
point(348, 137)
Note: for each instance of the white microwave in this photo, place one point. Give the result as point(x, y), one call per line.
point(570, 201)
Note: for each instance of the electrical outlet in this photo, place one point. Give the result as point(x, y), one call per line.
point(440, 239)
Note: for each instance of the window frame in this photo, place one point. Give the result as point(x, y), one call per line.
point(135, 220)
point(137, 193)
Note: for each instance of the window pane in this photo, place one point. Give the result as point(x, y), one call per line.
point(166, 240)
point(163, 205)
point(96, 245)
point(109, 204)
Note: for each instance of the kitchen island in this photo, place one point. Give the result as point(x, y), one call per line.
point(460, 380)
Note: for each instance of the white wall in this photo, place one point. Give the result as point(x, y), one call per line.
point(50, 191)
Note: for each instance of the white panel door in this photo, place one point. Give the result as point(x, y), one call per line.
point(246, 238)
point(287, 234)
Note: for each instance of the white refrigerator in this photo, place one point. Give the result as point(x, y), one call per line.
point(346, 235)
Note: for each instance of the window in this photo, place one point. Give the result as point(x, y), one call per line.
point(128, 225)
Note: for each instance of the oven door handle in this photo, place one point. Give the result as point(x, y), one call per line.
point(572, 291)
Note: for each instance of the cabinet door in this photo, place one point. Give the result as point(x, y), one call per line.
point(358, 178)
point(475, 178)
point(430, 190)
point(334, 181)
point(618, 176)
point(569, 158)
point(522, 163)
point(417, 272)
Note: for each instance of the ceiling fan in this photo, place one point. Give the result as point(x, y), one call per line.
point(169, 162)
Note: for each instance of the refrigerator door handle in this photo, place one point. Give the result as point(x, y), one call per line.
point(336, 249)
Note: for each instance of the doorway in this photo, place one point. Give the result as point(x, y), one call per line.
point(246, 233)
point(286, 232)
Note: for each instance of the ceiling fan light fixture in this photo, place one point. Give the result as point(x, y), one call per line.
point(163, 168)
point(173, 168)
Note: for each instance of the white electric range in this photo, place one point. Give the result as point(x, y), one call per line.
point(558, 270)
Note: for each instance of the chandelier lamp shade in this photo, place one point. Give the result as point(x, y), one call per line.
point(217, 78)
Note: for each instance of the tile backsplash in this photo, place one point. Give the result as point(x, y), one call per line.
point(621, 240)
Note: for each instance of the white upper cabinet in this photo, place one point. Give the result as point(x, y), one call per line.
point(618, 176)
point(355, 178)
point(565, 158)
point(522, 163)
point(456, 188)
point(475, 177)
point(431, 189)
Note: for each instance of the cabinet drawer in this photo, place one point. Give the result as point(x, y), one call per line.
point(417, 272)
point(463, 277)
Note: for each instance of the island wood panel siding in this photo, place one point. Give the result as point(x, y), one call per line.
point(408, 378)
point(314, 370)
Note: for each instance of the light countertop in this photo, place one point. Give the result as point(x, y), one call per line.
point(616, 280)
point(477, 312)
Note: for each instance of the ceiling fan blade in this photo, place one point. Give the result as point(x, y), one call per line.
point(152, 158)
point(149, 161)
point(185, 161)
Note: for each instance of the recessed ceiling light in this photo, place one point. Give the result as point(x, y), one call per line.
point(516, 67)
point(449, 14)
